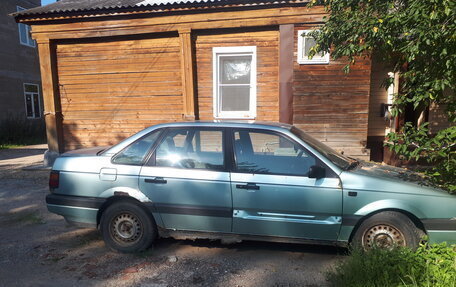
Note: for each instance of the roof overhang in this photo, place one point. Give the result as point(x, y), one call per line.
point(74, 9)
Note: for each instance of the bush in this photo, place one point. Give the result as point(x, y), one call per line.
point(438, 150)
point(429, 265)
point(17, 130)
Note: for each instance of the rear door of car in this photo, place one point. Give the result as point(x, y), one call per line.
point(272, 192)
point(187, 180)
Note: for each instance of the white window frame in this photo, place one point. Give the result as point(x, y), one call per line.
point(37, 94)
point(30, 42)
point(234, 51)
point(304, 59)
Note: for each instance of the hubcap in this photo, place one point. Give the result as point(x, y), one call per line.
point(126, 228)
point(383, 236)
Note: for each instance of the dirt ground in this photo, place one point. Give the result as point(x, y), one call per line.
point(38, 248)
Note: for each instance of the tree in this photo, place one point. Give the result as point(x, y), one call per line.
point(418, 40)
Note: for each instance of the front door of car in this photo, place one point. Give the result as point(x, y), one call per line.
point(273, 194)
point(187, 180)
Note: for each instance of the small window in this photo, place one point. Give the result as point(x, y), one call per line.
point(135, 153)
point(192, 149)
point(24, 32)
point(32, 101)
point(305, 43)
point(270, 153)
point(234, 70)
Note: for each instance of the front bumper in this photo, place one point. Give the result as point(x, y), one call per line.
point(76, 209)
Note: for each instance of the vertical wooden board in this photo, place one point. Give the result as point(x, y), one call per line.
point(378, 95)
point(267, 43)
point(109, 90)
point(330, 105)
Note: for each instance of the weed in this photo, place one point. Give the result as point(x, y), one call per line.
point(21, 218)
point(429, 265)
point(17, 130)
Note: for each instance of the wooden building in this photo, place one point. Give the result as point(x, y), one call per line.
point(110, 68)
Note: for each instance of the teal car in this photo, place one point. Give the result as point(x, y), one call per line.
point(243, 181)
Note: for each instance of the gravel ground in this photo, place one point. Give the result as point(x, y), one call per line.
point(39, 249)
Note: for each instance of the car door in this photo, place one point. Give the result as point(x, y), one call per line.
point(188, 182)
point(273, 194)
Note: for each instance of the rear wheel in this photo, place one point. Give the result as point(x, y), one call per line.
point(387, 230)
point(127, 227)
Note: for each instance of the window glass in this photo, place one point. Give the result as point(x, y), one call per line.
point(335, 157)
point(24, 32)
point(235, 69)
point(32, 101)
point(29, 105)
point(191, 148)
point(31, 88)
point(235, 98)
point(262, 152)
point(135, 153)
point(305, 44)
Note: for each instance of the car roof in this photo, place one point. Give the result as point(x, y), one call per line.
point(229, 123)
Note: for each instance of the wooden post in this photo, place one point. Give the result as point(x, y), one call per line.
point(286, 46)
point(52, 108)
point(188, 74)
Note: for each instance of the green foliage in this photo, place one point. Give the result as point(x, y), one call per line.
point(415, 38)
point(17, 130)
point(439, 150)
point(429, 265)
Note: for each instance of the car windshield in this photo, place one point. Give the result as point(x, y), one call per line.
point(335, 157)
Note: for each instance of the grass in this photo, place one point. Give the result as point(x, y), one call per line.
point(27, 218)
point(429, 265)
point(9, 146)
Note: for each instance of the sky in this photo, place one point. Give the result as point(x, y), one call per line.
point(45, 2)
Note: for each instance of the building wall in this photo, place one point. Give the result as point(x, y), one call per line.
point(438, 119)
point(18, 63)
point(331, 105)
point(379, 126)
point(267, 44)
point(112, 89)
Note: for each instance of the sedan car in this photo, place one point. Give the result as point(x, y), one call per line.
point(236, 181)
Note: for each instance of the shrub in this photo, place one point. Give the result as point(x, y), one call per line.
point(429, 265)
point(439, 150)
point(17, 130)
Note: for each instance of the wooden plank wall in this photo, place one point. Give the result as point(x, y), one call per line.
point(333, 106)
point(267, 43)
point(438, 119)
point(378, 96)
point(112, 89)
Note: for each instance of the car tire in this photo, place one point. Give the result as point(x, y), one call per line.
point(387, 230)
point(127, 227)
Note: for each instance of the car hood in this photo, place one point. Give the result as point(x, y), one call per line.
point(378, 177)
point(85, 152)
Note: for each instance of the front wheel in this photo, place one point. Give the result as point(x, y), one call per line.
point(387, 230)
point(126, 227)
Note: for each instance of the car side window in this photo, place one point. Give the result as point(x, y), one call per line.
point(270, 153)
point(135, 153)
point(192, 149)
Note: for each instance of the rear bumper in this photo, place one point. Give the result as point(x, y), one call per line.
point(441, 230)
point(76, 209)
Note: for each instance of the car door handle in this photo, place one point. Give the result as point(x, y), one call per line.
point(156, 180)
point(251, 186)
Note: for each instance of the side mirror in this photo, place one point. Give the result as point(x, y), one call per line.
point(317, 172)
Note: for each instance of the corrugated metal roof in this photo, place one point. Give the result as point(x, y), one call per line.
point(74, 6)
